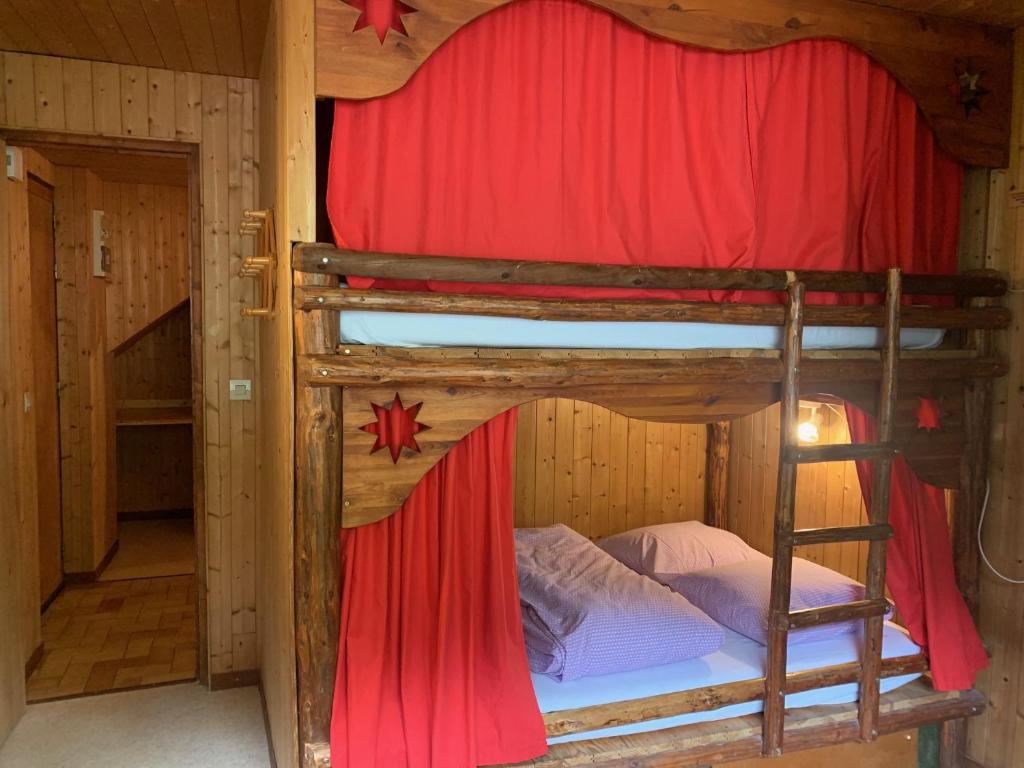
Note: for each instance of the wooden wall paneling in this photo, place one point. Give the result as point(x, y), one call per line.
point(154, 468)
point(995, 739)
point(12, 662)
point(134, 101)
point(241, 196)
point(287, 174)
point(544, 497)
point(3, 91)
point(188, 105)
point(19, 85)
point(48, 74)
point(920, 52)
point(24, 435)
point(602, 473)
point(106, 98)
point(78, 96)
point(161, 95)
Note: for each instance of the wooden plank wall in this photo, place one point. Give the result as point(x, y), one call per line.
point(148, 234)
point(287, 184)
point(219, 115)
point(12, 662)
point(994, 236)
point(827, 494)
point(154, 462)
point(600, 472)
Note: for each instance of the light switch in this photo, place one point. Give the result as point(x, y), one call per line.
point(240, 389)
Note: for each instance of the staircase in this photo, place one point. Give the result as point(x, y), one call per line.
point(877, 532)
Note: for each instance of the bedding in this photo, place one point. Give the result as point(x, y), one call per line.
point(659, 551)
point(406, 329)
point(738, 658)
point(737, 596)
point(585, 613)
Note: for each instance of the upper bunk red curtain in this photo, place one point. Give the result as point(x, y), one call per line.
point(550, 130)
point(919, 570)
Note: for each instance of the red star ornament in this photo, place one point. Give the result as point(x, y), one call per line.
point(382, 15)
point(395, 427)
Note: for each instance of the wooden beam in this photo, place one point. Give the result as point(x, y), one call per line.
point(541, 373)
point(617, 713)
point(716, 475)
point(317, 531)
point(624, 310)
point(323, 258)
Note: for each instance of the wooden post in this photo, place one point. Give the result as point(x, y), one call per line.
point(785, 507)
point(953, 743)
point(874, 583)
point(317, 530)
point(716, 474)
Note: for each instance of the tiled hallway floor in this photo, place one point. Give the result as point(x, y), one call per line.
point(109, 636)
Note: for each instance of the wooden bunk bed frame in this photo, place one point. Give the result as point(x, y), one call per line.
point(341, 483)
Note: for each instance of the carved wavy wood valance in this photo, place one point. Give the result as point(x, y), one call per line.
point(959, 73)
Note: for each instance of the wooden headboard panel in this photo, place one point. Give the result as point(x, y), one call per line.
point(943, 63)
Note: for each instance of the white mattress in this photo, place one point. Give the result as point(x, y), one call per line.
point(739, 658)
point(406, 329)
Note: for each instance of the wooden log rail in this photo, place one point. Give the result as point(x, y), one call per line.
point(616, 713)
point(655, 310)
point(322, 258)
point(621, 373)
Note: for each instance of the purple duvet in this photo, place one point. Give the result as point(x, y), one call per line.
point(585, 613)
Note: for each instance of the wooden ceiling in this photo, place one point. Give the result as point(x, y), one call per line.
point(1002, 13)
point(221, 37)
point(121, 166)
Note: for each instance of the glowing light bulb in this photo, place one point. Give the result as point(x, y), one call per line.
point(807, 431)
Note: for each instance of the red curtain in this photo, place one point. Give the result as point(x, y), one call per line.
point(919, 572)
point(548, 129)
point(432, 670)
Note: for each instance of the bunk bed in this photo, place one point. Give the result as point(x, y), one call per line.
point(342, 483)
point(442, 356)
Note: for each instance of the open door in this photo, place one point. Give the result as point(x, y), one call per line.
point(44, 342)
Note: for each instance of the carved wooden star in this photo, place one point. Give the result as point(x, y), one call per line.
point(382, 15)
point(395, 427)
point(969, 91)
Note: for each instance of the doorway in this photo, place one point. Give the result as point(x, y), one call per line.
point(118, 414)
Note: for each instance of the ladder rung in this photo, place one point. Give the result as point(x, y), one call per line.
point(812, 454)
point(812, 617)
point(840, 534)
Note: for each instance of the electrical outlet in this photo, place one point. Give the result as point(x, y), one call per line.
point(240, 389)
point(15, 164)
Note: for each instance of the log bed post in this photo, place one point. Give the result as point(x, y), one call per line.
point(967, 507)
point(716, 474)
point(317, 533)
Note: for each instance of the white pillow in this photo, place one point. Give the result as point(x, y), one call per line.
point(669, 549)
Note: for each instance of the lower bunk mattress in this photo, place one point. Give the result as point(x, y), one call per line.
point(739, 658)
point(407, 329)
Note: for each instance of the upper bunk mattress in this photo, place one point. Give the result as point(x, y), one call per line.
point(739, 658)
point(405, 329)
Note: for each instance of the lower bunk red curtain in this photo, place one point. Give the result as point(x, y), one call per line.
point(550, 130)
point(432, 670)
point(919, 572)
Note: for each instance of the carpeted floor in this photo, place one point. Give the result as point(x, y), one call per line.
point(176, 726)
point(149, 548)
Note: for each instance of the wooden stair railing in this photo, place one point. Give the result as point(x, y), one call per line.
point(877, 532)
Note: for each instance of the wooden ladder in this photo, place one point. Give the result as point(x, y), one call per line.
point(791, 454)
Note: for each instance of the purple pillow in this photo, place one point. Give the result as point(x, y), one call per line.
point(663, 551)
point(738, 595)
point(585, 613)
